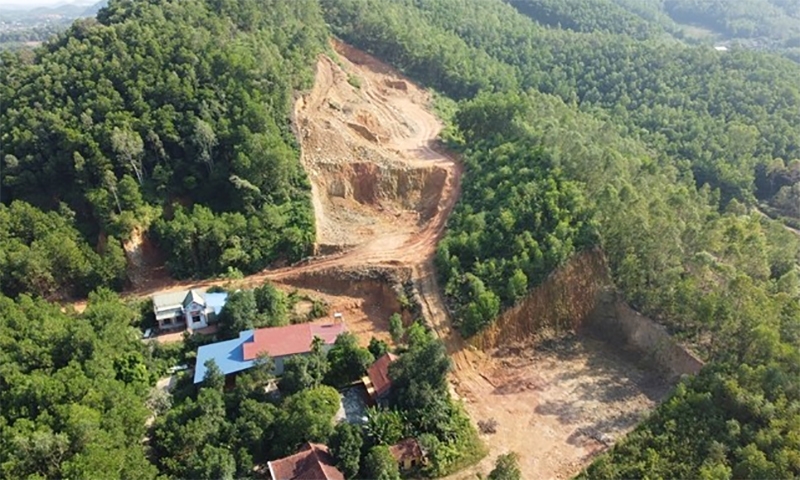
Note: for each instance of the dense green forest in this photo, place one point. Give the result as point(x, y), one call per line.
point(208, 432)
point(73, 390)
point(588, 16)
point(766, 23)
point(173, 116)
point(654, 152)
point(772, 19)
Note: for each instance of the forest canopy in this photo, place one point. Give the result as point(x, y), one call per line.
point(170, 115)
point(658, 153)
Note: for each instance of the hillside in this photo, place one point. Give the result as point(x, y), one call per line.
point(147, 118)
point(240, 136)
point(642, 154)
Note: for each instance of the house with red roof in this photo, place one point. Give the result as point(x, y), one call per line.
point(279, 343)
point(312, 462)
point(377, 378)
point(408, 453)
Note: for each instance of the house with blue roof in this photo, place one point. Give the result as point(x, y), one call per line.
point(279, 343)
point(189, 309)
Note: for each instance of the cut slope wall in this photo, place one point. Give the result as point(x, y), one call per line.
point(560, 304)
point(613, 320)
point(579, 297)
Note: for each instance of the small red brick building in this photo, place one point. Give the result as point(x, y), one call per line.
point(312, 462)
point(377, 379)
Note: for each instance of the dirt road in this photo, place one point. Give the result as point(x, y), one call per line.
point(389, 210)
point(382, 191)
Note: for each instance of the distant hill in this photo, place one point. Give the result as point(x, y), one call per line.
point(20, 26)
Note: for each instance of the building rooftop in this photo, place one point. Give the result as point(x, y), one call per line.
point(235, 355)
point(312, 462)
point(216, 301)
point(171, 304)
point(228, 355)
point(291, 339)
point(407, 449)
point(193, 296)
point(378, 374)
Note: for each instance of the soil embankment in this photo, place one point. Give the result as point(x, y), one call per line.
point(613, 319)
point(368, 146)
point(579, 297)
point(559, 305)
point(574, 364)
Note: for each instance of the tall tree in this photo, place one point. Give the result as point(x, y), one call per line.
point(381, 465)
point(348, 361)
point(345, 446)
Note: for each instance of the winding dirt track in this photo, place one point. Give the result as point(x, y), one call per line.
point(409, 141)
point(411, 138)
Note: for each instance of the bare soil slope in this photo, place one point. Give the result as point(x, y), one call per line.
point(382, 192)
point(368, 147)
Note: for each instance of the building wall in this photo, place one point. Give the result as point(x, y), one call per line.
point(173, 325)
point(194, 310)
point(279, 361)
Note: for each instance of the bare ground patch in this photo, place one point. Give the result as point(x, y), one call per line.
point(366, 298)
point(558, 404)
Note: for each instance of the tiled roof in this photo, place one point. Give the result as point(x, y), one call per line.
point(312, 462)
point(235, 355)
point(290, 340)
point(378, 374)
point(407, 449)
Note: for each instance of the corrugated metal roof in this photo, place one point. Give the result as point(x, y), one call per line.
point(193, 296)
point(216, 301)
point(239, 354)
point(291, 339)
point(169, 313)
point(228, 355)
point(169, 300)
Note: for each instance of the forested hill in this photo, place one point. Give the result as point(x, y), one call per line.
point(170, 116)
point(651, 150)
point(773, 23)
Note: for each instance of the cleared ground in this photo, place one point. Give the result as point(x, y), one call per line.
point(382, 191)
point(558, 405)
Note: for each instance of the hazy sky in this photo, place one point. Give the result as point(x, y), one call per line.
point(41, 3)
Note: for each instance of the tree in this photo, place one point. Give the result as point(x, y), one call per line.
point(384, 427)
point(238, 314)
point(379, 464)
point(213, 462)
point(396, 328)
point(318, 365)
point(377, 348)
point(306, 416)
point(205, 140)
point(420, 374)
point(506, 467)
point(345, 446)
point(348, 361)
point(296, 376)
point(213, 378)
point(272, 304)
point(129, 147)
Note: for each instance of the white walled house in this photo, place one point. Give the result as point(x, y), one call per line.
point(189, 309)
